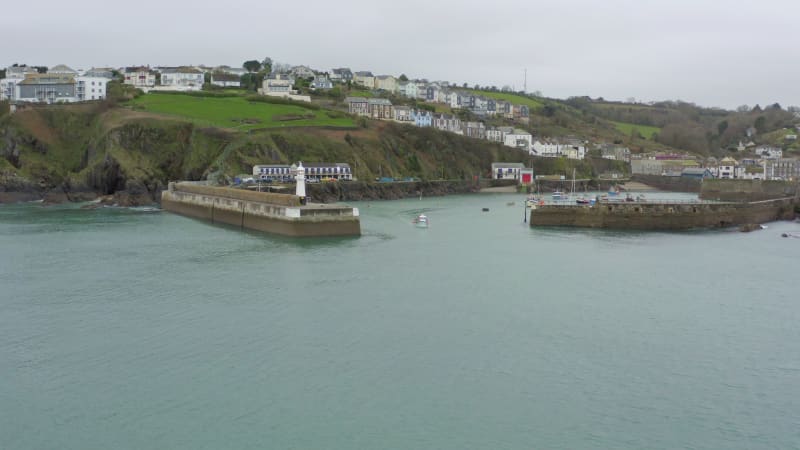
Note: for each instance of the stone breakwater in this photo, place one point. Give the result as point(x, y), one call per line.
point(268, 212)
point(662, 216)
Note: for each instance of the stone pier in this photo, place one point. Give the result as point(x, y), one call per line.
point(269, 212)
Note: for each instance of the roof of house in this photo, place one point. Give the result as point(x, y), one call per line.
point(379, 101)
point(48, 78)
point(505, 165)
point(138, 69)
point(355, 100)
point(62, 68)
point(695, 170)
point(222, 76)
point(181, 70)
point(364, 74)
point(323, 164)
point(384, 77)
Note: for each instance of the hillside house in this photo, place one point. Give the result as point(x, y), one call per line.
point(301, 72)
point(782, 169)
point(223, 79)
point(277, 84)
point(88, 88)
point(727, 168)
point(140, 77)
point(475, 130)
point(403, 114)
point(422, 118)
point(498, 134)
point(615, 152)
point(447, 122)
point(769, 152)
point(386, 83)
point(321, 82)
point(520, 139)
point(357, 105)
point(183, 77)
point(380, 108)
point(341, 75)
point(365, 79)
point(46, 88)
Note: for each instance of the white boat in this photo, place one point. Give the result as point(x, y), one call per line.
point(421, 221)
point(558, 195)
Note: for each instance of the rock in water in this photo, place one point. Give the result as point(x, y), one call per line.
point(748, 227)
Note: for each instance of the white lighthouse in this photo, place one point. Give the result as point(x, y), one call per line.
point(301, 183)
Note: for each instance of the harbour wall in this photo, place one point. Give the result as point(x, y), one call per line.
point(362, 191)
point(670, 184)
point(747, 190)
point(268, 212)
point(662, 216)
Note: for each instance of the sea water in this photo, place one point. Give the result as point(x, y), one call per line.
point(132, 329)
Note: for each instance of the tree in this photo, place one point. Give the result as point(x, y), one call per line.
point(252, 65)
point(403, 77)
point(760, 124)
point(721, 127)
point(2, 74)
point(743, 109)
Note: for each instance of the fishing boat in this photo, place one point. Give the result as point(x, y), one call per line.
point(421, 221)
point(532, 201)
point(558, 195)
point(582, 200)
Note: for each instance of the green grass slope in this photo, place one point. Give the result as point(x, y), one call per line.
point(236, 112)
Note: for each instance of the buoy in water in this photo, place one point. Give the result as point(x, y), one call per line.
point(485, 209)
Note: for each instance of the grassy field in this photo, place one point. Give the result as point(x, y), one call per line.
point(235, 112)
point(513, 98)
point(626, 129)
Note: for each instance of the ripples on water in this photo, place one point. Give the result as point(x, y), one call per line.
point(133, 329)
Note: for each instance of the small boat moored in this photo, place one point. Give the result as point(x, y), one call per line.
point(421, 221)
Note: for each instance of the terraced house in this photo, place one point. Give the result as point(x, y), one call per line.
point(380, 108)
point(357, 105)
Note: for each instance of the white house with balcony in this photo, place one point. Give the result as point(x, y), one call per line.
point(183, 78)
point(88, 88)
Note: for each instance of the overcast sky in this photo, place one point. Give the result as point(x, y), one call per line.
point(710, 52)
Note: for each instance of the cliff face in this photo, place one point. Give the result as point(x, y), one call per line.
point(78, 152)
point(75, 153)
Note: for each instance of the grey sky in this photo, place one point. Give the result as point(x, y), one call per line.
point(714, 53)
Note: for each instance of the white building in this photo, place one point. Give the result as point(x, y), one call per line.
point(140, 77)
point(498, 134)
point(507, 171)
point(8, 88)
point(727, 168)
point(769, 152)
point(386, 83)
point(520, 139)
point(225, 79)
point(89, 88)
point(185, 78)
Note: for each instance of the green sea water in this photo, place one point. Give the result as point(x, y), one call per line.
point(132, 329)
